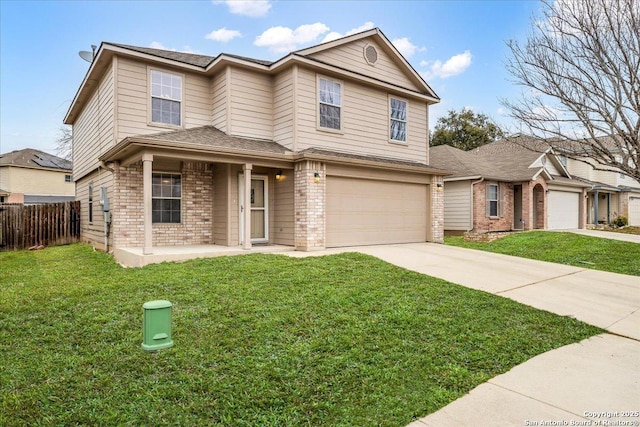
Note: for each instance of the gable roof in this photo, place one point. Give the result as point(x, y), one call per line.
point(208, 65)
point(502, 160)
point(35, 159)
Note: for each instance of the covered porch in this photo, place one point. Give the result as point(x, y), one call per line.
point(135, 256)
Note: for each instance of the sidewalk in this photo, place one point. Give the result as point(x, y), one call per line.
point(566, 386)
point(633, 238)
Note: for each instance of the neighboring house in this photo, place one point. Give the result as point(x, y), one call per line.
point(327, 146)
point(34, 177)
point(616, 194)
point(502, 186)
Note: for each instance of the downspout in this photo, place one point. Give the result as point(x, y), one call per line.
point(472, 184)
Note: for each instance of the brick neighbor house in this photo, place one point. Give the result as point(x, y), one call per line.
point(503, 186)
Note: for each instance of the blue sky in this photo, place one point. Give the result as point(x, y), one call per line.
point(458, 46)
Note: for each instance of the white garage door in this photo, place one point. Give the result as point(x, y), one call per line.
point(563, 209)
point(369, 212)
point(634, 211)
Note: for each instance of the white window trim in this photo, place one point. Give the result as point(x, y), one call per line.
point(172, 198)
point(150, 121)
point(397, 141)
point(498, 200)
point(324, 129)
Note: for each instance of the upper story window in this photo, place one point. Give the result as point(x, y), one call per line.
point(563, 160)
point(67, 178)
point(493, 200)
point(166, 98)
point(166, 194)
point(397, 120)
point(329, 104)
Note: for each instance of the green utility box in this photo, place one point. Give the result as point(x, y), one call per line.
point(156, 325)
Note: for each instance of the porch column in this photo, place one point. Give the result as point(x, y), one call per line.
point(246, 241)
point(595, 208)
point(147, 169)
point(608, 208)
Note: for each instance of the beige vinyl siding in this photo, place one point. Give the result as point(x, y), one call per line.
point(133, 100)
point(221, 196)
point(93, 233)
point(219, 88)
point(351, 57)
point(365, 122)
point(551, 168)
point(93, 129)
point(283, 108)
point(35, 181)
point(579, 169)
point(457, 205)
point(283, 210)
point(251, 104)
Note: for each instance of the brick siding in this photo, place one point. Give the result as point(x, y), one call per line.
point(309, 206)
point(196, 227)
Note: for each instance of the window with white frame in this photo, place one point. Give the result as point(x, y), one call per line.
point(493, 200)
point(166, 194)
point(397, 120)
point(329, 104)
point(166, 98)
point(67, 178)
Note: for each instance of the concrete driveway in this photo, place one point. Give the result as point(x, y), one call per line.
point(580, 384)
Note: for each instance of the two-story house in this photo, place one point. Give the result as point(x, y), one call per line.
point(611, 194)
point(326, 147)
point(33, 177)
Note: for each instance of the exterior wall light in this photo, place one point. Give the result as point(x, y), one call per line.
point(278, 175)
point(316, 177)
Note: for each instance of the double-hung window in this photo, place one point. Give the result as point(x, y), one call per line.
point(166, 98)
point(166, 194)
point(493, 200)
point(329, 104)
point(397, 120)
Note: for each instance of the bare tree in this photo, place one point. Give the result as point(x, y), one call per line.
point(64, 142)
point(580, 72)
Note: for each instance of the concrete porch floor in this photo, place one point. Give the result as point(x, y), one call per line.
point(133, 257)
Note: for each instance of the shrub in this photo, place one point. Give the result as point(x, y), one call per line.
point(620, 221)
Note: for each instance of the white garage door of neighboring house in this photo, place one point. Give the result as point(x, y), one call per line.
point(369, 212)
point(563, 209)
point(634, 211)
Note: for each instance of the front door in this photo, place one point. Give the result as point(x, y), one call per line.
point(259, 209)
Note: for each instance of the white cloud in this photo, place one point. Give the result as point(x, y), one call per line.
point(223, 35)
point(333, 35)
point(455, 65)
point(252, 8)
point(157, 45)
point(501, 111)
point(284, 39)
point(406, 48)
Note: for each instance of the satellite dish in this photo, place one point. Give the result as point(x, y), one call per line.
point(86, 55)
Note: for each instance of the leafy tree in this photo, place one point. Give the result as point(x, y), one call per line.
point(64, 143)
point(465, 130)
point(580, 72)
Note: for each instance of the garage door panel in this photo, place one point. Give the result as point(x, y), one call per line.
point(361, 211)
point(563, 210)
point(634, 211)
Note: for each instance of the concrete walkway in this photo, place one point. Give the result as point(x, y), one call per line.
point(568, 385)
point(633, 238)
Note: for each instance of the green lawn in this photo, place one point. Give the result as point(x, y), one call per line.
point(564, 248)
point(260, 340)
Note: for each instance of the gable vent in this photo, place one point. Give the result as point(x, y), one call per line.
point(370, 54)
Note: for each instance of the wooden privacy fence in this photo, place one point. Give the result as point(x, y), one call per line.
point(23, 227)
